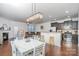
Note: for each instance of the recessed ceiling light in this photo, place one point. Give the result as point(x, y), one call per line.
point(66, 11)
point(49, 16)
point(16, 4)
point(55, 19)
point(68, 16)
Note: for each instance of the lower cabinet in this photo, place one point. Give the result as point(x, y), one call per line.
point(53, 38)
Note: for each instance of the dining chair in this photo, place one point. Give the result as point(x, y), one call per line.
point(42, 38)
point(29, 53)
point(13, 49)
point(39, 51)
point(21, 34)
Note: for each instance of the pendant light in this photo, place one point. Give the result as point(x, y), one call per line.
point(35, 15)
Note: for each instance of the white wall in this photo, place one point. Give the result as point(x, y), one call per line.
point(47, 25)
point(12, 24)
point(78, 29)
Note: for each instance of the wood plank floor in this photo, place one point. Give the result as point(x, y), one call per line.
point(5, 50)
point(61, 51)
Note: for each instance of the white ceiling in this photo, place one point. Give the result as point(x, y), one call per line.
point(50, 11)
point(17, 12)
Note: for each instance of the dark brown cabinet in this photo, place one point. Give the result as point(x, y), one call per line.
point(30, 34)
point(62, 26)
point(75, 25)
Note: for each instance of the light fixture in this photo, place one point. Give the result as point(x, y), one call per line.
point(68, 16)
point(36, 16)
point(55, 19)
point(49, 16)
point(15, 4)
point(66, 11)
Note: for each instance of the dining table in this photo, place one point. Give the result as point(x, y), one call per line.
point(26, 47)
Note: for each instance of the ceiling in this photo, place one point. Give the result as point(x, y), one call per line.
point(50, 11)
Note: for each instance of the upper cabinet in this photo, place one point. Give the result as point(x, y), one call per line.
point(75, 25)
point(71, 25)
point(66, 25)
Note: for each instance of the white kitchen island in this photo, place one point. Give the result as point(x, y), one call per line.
point(56, 37)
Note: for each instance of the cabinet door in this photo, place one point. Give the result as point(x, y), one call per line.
point(75, 25)
point(57, 39)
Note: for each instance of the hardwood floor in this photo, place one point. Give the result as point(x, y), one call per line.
point(64, 50)
point(5, 49)
point(61, 51)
